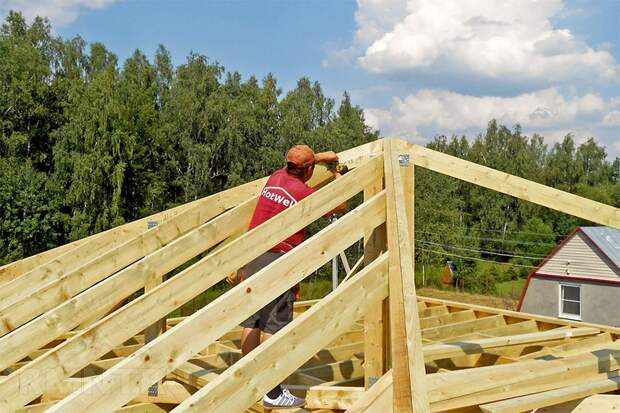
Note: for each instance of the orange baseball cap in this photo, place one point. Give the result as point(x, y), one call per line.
point(300, 155)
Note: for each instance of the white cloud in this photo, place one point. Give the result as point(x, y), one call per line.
point(59, 12)
point(488, 38)
point(450, 112)
point(612, 119)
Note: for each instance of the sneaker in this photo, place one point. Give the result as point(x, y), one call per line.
point(285, 399)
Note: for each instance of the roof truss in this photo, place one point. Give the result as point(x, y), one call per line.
point(73, 320)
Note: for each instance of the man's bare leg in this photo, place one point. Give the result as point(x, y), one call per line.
point(250, 339)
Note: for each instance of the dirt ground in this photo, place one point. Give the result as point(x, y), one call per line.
point(486, 300)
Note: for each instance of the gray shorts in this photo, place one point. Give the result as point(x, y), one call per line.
point(279, 312)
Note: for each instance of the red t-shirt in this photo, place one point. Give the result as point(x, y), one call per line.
point(281, 191)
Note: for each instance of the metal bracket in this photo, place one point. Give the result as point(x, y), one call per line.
point(403, 159)
point(151, 224)
point(154, 390)
point(372, 380)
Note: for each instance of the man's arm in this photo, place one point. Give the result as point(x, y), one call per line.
point(340, 209)
point(327, 157)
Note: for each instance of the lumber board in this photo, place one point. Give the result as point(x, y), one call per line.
point(352, 157)
point(376, 321)
point(433, 311)
point(516, 315)
point(170, 392)
point(58, 290)
point(332, 397)
point(278, 357)
point(455, 349)
point(599, 403)
point(488, 384)
point(194, 375)
point(463, 327)
point(116, 288)
point(173, 348)
point(515, 186)
point(376, 399)
point(553, 397)
point(445, 319)
point(70, 356)
point(337, 353)
point(597, 342)
point(116, 249)
point(410, 391)
point(460, 389)
point(338, 371)
point(15, 269)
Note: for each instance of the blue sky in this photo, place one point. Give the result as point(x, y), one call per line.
point(418, 67)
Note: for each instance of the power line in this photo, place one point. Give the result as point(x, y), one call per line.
point(500, 254)
point(488, 250)
point(491, 252)
point(475, 258)
point(506, 241)
point(554, 234)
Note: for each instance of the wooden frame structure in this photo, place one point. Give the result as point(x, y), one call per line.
point(73, 320)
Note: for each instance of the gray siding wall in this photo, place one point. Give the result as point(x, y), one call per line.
point(600, 303)
point(579, 257)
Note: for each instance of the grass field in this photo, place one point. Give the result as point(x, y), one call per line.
point(485, 300)
point(511, 289)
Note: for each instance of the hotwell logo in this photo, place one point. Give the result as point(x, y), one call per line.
point(278, 195)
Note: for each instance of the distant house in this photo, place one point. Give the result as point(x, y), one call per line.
point(579, 279)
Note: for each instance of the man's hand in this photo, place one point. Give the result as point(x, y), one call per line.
point(327, 157)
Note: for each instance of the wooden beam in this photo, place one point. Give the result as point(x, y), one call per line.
point(116, 288)
point(376, 399)
point(164, 354)
point(114, 235)
point(455, 349)
point(332, 397)
point(463, 327)
point(483, 385)
point(515, 186)
point(86, 265)
point(445, 319)
point(410, 392)
point(338, 371)
point(194, 375)
point(553, 397)
point(277, 358)
point(434, 311)
point(376, 321)
point(170, 392)
point(540, 319)
point(353, 157)
point(337, 353)
point(135, 408)
point(20, 309)
point(598, 403)
point(573, 348)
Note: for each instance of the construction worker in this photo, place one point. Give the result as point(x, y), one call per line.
point(285, 187)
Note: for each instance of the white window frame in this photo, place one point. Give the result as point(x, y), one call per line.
point(569, 316)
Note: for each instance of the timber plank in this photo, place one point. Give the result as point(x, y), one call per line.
point(292, 345)
point(515, 186)
point(173, 348)
point(553, 397)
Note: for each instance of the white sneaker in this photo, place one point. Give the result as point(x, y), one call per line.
point(286, 399)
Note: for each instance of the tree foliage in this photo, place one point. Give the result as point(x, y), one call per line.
point(87, 143)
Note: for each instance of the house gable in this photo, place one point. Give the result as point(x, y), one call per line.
point(579, 257)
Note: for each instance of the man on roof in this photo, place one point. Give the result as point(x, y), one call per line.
point(284, 188)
